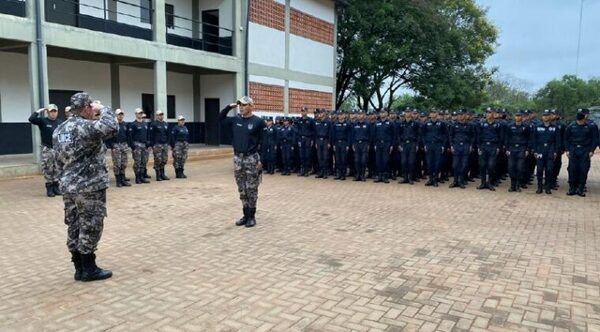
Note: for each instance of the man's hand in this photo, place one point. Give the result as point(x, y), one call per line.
point(259, 166)
point(232, 105)
point(40, 111)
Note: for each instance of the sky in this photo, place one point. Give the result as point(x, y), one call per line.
point(537, 39)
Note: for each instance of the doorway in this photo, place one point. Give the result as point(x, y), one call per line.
point(212, 107)
point(62, 99)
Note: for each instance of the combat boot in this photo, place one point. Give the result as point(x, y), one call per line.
point(540, 187)
point(163, 176)
point(123, 182)
point(56, 189)
point(76, 259)
point(90, 271)
point(251, 222)
point(243, 219)
point(581, 190)
point(454, 184)
point(177, 174)
point(548, 188)
point(158, 177)
point(50, 190)
point(137, 178)
point(572, 190)
point(145, 174)
point(513, 187)
point(142, 178)
point(183, 176)
point(118, 180)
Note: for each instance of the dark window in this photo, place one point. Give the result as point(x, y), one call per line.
point(146, 11)
point(170, 16)
point(148, 106)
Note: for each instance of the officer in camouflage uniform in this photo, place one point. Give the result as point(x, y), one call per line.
point(158, 133)
point(83, 180)
point(246, 139)
point(179, 144)
point(47, 126)
point(119, 150)
point(137, 135)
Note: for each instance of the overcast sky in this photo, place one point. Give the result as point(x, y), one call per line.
point(537, 39)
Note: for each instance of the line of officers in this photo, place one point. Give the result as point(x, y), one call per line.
point(138, 138)
point(413, 146)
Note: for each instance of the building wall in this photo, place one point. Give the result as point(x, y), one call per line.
point(15, 99)
point(266, 46)
point(64, 74)
point(216, 86)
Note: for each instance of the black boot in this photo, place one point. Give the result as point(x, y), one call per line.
point(251, 220)
point(581, 190)
point(76, 259)
point(548, 188)
point(461, 182)
point(56, 189)
point(163, 176)
point(513, 186)
point(177, 174)
point(142, 178)
point(137, 178)
point(540, 188)
point(183, 176)
point(158, 177)
point(50, 189)
point(124, 182)
point(243, 219)
point(572, 190)
point(145, 174)
point(91, 271)
point(454, 184)
point(118, 180)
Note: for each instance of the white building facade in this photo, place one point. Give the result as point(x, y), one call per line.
point(189, 57)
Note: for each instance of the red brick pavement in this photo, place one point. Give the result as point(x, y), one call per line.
point(325, 256)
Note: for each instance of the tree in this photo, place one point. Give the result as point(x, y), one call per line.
point(568, 94)
point(501, 92)
point(384, 45)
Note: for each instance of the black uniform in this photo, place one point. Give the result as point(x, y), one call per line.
point(580, 142)
point(516, 142)
point(545, 142)
point(341, 137)
point(434, 137)
point(489, 139)
point(383, 138)
point(360, 144)
point(286, 137)
point(462, 138)
point(408, 140)
point(322, 143)
point(269, 148)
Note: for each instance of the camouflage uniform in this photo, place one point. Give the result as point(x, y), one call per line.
point(119, 157)
point(140, 156)
point(84, 176)
point(247, 177)
point(161, 155)
point(180, 154)
point(49, 167)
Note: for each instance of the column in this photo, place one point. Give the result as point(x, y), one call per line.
point(115, 86)
point(159, 27)
point(160, 86)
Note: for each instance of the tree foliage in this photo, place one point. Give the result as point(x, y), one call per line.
point(568, 94)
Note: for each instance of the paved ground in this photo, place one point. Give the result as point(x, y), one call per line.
point(325, 256)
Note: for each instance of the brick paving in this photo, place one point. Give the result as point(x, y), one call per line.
point(325, 256)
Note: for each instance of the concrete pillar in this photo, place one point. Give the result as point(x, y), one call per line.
point(115, 86)
point(335, 23)
point(286, 97)
point(286, 88)
point(240, 16)
point(111, 6)
point(197, 97)
point(159, 27)
point(39, 98)
point(160, 86)
point(195, 19)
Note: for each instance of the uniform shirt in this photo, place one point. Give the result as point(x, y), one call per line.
point(489, 133)
point(269, 136)
point(179, 134)
point(322, 129)
point(286, 135)
point(46, 126)
point(383, 131)
point(462, 132)
point(434, 133)
point(246, 132)
point(121, 136)
point(137, 133)
point(545, 138)
point(517, 135)
point(596, 132)
point(580, 136)
point(305, 127)
point(360, 131)
point(408, 131)
point(81, 152)
point(158, 133)
point(341, 132)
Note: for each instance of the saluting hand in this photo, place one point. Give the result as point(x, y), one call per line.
point(259, 166)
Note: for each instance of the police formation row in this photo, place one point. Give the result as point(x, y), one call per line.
point(442, 144)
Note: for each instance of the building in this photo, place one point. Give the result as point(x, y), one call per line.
point(189, 57)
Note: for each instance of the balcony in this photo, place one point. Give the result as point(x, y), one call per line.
point(13, 7)
point(199, 35)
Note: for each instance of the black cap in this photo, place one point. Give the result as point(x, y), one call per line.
point(546, 112)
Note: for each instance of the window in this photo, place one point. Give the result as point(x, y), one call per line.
point(148, 106)
point(146, 11)
point(170, 16)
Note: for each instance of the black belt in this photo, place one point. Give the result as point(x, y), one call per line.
point(244, 154)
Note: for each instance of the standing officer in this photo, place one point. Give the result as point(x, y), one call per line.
point(158, 132)
point(360, 145)
point(84, 178)
point(383, 137)
point(138, 142)
point(560, 126)
point(545, 142)
point(47, 126)
point(408, 143)
point(246, 139)
point(580, 143)
point(489, 138)
point(516, 142)
point(286, 137)
point(341, 137)
point(306, 132)
point(323, 144)
point(434, 137)
point(269, 146)
point(119, 149)
point(179, 139)
point(462, 138)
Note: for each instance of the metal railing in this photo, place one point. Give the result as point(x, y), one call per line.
point(200, 35)
point(13, 7)
point(102, 18)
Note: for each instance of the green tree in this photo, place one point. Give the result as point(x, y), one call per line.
point(568, 94)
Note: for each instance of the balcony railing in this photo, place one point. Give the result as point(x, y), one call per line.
point(121, 21)
point(13, 7)
point(194, 34)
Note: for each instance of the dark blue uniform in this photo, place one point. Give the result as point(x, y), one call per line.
point(434, 137)
point(269, 148)
point(462, 138)
point(383, 138)
point(286, 137)
point(516, 142)
point(306, 132)
point(580, 141)
point(408, 140)
point(545, 142)
point(322, 143)
point(341, 137)
point(360, 144)
point(489, 139)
